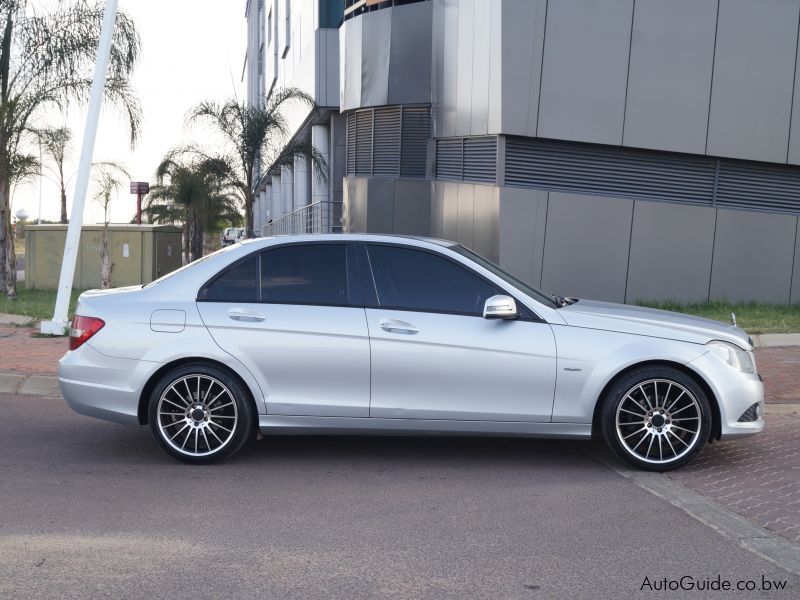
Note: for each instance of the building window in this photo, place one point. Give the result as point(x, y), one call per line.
point(331, 13)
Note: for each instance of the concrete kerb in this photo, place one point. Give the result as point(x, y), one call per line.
point(30, 385)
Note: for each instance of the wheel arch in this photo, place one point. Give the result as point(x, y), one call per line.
point(152, 382)
point(716, 420)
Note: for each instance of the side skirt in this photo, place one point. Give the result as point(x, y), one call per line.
point(302, 425)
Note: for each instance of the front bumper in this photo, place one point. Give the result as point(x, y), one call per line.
point(101, 386)
point(735, 392)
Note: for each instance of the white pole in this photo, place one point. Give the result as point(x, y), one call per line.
point(59, 323)
point(39, 218)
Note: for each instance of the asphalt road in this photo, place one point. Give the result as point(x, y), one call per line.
point(93, 509)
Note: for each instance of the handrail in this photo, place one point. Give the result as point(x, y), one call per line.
point(319, 217)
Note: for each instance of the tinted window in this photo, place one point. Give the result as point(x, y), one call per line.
point(416, 280)
point(313, 274)
point(237, 284)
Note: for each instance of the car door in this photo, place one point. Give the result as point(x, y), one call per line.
point(286, 313)
point(434, 356)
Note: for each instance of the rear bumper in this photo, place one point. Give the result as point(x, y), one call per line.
point(101, 386)
point(736, 392)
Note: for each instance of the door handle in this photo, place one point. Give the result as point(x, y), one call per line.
point(242, 314)
point(395, 326)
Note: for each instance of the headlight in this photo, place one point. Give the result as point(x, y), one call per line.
point(733, 355)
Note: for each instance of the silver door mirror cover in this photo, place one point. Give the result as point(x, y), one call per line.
point(500, 307)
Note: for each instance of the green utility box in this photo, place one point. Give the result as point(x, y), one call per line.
point(139, 253)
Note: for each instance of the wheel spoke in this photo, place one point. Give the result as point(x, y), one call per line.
point(632, 413)
point(215, 399)
point(674, 402)
point(686, 419)
point(682, 429)
point(185, 425)
point(220, 407)
point(634, 433)
point(646, 397)
point(636, 402)
point(650, 445)
point(211, 431)
point(682, 409)
point(177, 393)
point(660, 450)
point(674, 452)
point(639, 443)
point(221, 427)
point(205, 437)
point(208, 391)
point(188, 391)
point(677, 437)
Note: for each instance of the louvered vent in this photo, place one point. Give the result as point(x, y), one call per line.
point(363, 142)
point(386, 150)
point(416, 132)
point(609, 170)
point(758, 187)
point(351, 143)
point(449, 158)
point(480, 159)
point(390, 141)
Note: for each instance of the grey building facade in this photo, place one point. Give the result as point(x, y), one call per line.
point(623, 150)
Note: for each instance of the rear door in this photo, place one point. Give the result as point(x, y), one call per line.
point(288, 314)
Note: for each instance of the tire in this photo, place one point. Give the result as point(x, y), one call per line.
point(656, 418)
point(200, 414)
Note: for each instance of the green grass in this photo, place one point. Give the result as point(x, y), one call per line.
point(753, 318)
point(37, 304)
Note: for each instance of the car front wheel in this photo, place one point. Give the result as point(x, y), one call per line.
point(200, 414)
point(656, 418)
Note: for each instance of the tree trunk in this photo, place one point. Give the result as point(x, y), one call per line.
point(63, 205)
point(248, 211)
point(8, 257)
point(106, 267)
point(197, 239)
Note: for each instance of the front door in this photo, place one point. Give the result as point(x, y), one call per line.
point(285, 314)
point(434, 356)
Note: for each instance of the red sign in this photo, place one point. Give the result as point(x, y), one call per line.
point(140, 187)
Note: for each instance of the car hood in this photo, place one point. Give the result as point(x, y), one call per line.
point(649, 321)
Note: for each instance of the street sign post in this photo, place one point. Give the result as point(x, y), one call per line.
point(140, 188)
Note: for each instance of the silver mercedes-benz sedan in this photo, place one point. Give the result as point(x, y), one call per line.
point(383, 334)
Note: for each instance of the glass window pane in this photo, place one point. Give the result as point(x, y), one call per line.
point(313, 274)
point(416, 280)
point(237, 284)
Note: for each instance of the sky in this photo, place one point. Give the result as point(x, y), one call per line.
point(192, 50)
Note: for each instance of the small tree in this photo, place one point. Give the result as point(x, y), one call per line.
point(196, 191)
point(108, 181)
point(257, 135)
point(56, 144)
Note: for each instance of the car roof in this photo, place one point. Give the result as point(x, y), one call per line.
point(356, 237)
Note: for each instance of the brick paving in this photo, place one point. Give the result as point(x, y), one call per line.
point(22, 352)
point(757, 477)
point(780, 368)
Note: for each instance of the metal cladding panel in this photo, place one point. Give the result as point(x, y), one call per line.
point(759, 186)
point(485, 236)
point(754, 67)
point(450, 65)
point(496, 67)
point(450, 212)
point(481, 31)
point(412, 207)
point(375, 52)
point(609, 170)
point(437, 65)
point(753, 255)
point(521, 228)
point(351, 143)
point(416, 131)
point(411, 55)
point(585, 70)
point(350, 66)
point(380, 205)
point(466, 19)
point(577, 226)
point(669, 79)
point(466, 215)
point(522, 44)
point(671, 247)
point(386, 150)
point(437, 208)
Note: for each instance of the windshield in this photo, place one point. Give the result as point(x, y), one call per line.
point(537, 295)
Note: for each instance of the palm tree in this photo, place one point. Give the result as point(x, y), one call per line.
point(46, 60)
point(257, 136)
point(196, 192)
point(56, 144)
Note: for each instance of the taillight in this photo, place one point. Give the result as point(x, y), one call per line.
point(82, 329)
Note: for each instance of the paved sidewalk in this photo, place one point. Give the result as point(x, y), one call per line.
point(23, 351)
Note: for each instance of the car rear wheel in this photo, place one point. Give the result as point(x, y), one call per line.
point(200, 414)
point(656, 418)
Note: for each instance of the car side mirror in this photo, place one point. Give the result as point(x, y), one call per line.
point(500, 307)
